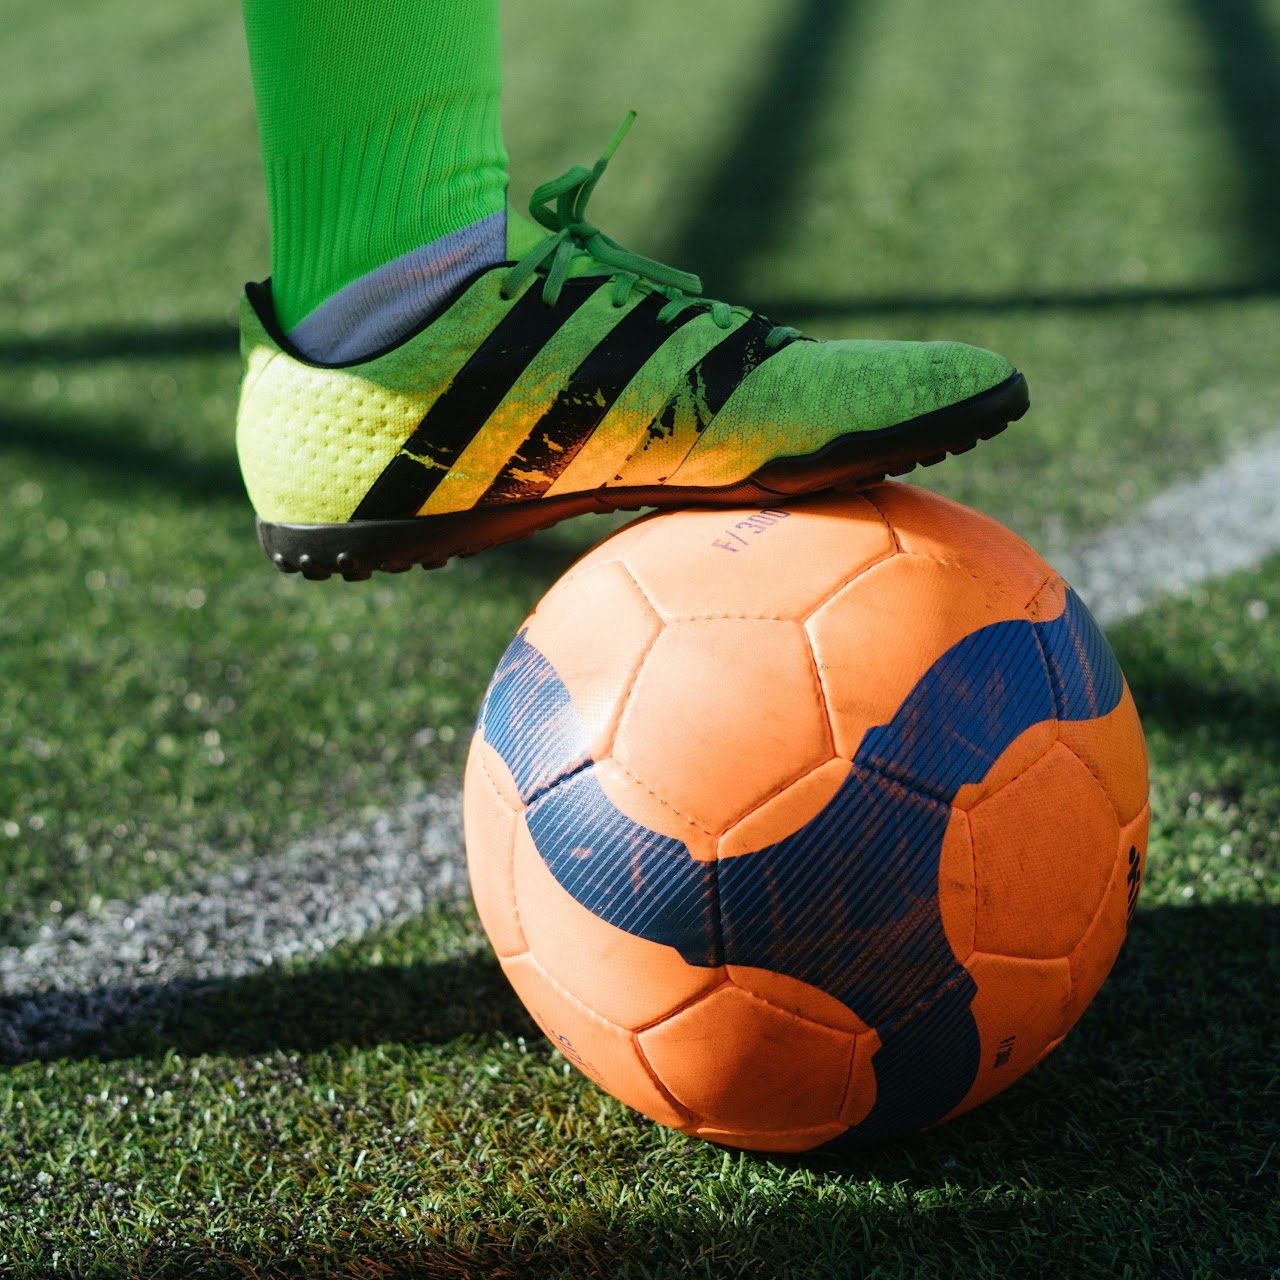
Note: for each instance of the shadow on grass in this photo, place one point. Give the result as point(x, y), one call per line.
point(317, 1007)
point(111, 449)
point(1182, 689)
point(1189, 1003)
point(748, 199)
point(1221, 716)
point(125, 343)
point(1244, 51)
point(298, 1009)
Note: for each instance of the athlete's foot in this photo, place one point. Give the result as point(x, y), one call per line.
point(579, 377)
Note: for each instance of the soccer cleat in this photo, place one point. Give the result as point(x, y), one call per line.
point(579, 377)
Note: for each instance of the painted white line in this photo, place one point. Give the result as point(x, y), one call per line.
point(130, 960)
point(1221, 522)
point(92, 971)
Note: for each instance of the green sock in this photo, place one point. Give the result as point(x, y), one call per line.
point(380, 130)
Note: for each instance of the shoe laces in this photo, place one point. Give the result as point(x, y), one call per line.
point(573, 238)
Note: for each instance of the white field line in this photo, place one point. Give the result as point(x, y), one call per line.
point(130, 960)
point(1223, 521)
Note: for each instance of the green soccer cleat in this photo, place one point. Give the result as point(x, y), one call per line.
point(579, 377)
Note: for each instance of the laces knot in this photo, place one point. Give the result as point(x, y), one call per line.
point(560, 206)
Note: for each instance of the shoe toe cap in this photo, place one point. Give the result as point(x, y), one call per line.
point(811, 393)
point(873, 384)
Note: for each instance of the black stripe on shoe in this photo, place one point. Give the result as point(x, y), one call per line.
point(716, 376)
point(583, 403)
point(465, 406)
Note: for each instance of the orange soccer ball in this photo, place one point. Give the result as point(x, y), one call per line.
point(816, 825)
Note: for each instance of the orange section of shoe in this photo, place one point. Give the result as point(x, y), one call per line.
point(1115, 751)
point(601, 1051)
point(1044, 847)
point(940, 529)
point(489, 823)
point(725, 714)
point(624, 978)
point(744, 1065)
point(599, 675)
point(784, 814)
point(778, 562)
point(1096, 952)
point(876, 638)
point(1021, 1008)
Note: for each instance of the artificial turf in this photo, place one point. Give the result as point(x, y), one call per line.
point(389, 1109)
point(1090, 189)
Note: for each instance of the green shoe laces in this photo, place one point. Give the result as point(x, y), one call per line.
point(572, 237)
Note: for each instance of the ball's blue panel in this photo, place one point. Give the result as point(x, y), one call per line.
point(1086, 678)
point(528, 718)
point(848, 903)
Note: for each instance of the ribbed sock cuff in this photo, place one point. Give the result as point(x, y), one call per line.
point(360, 200)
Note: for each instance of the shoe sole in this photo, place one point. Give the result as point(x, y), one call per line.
point(357, 549)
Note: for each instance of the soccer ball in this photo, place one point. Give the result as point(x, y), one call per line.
point(815, 825)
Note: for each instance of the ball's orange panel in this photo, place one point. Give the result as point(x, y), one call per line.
point(775, 563)
point(1092, 959)
point(489, 826)
point(1021, 1008)
point(879, 635)
point(725, 713)
point(934, 526)
point(647, 807)
point(799, 1140)
point(1017, 757)
point(1049, 601)
point(1044, 848)
point(785, 814)
point(499, 775)
point(794, 996)
point(956, 889)
point(597, 669)
point(742, 1064)
point(602, 1052)
point(1115, 751)
point(624, 978)
point(860, 1093)
point(612, 548)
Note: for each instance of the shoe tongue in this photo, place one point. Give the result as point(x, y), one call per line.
point(522, 235)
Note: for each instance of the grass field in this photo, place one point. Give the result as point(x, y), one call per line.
point(1093, 189)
